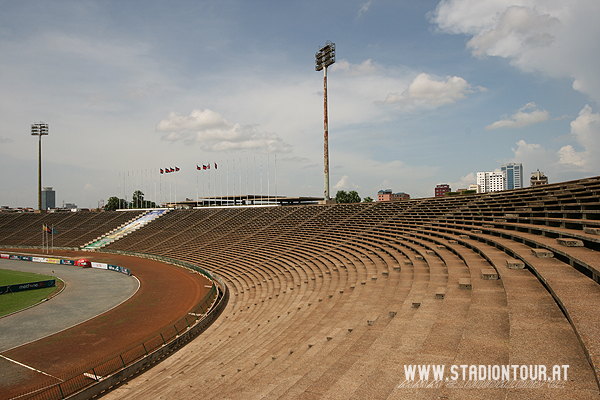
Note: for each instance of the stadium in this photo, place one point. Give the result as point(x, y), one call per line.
point(496, 292)
point(220, 266)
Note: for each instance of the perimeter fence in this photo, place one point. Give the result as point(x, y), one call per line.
point(100, 375)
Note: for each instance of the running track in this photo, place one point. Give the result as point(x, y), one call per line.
point(166, 294)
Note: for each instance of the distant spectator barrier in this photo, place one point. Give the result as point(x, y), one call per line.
point(49, 260)
point(27, 286)
point(94, 378)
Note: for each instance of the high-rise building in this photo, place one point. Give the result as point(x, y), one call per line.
point(490, 181)
point(513, 174)
point(48, 198)
point(441, 190)
point(538, 178)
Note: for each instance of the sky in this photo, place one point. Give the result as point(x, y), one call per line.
point(421, 93)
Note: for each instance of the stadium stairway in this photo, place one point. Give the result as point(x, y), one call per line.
point(124, 230)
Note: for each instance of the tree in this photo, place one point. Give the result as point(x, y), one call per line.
point(367, 200)
point(114, 203)
point(353, 197)
point(137, 199)
point(343, 197)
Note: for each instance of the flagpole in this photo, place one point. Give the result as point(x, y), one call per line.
point(209, 188)
point(221, 184)
point(52, 238)
point(227, 180)
point(215, 185)
point(233, 161)
point(268, 179)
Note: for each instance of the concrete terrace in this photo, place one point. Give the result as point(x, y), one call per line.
point(334, 301)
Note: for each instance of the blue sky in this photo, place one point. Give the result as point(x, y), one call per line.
point(422, 92)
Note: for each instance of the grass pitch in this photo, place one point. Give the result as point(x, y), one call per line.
point(12, 302)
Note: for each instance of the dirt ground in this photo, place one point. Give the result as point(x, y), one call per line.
point(167, 293)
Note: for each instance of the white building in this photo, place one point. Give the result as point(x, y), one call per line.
point(491, 181)
point(475, 187)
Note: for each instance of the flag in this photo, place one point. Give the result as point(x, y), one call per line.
point(161, 171)
point(203, 166)
point(176, 169)
point(215, 165)
point(198, 167)
point(46, 228)
point(208, 166)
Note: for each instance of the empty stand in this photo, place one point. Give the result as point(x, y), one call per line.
point(334, 301)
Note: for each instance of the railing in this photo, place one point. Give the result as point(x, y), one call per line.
point(91, 379)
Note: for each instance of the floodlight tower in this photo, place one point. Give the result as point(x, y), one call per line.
point(323, 59)
point(39, 129)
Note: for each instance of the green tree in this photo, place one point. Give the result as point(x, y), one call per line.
point(114, 203)
point(353, 197)
point(343, 197)
point(137, 199)
point(367, 200)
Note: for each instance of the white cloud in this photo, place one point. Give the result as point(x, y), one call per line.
point(214, 133)
point(534, 153)
point(88, 187)
point(566, 162)
point(568, 155)
point(345, 184)
point(364, 8)
point(557, 38)
point(367, 67)
point(517, 29)
point(425, 92)
point(534, 156)
point(521, 118)
point(585, 130)
point(464, 182)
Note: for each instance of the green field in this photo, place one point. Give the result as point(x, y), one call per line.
point(12, 302)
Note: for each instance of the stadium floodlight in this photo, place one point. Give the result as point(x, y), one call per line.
point(323, 59)
point(325, 56)
point(39, 129)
